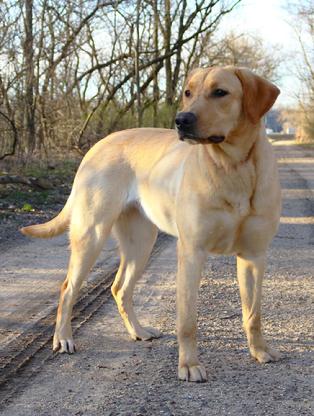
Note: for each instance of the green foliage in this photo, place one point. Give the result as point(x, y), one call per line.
point(27, 207)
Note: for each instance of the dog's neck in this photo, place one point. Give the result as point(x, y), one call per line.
point(237, 147)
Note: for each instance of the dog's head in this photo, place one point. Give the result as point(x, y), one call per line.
point(216, 100)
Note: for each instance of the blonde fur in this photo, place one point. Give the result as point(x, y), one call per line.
point(215, 198)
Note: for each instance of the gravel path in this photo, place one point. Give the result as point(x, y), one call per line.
point(111, 375)
point(31, 275)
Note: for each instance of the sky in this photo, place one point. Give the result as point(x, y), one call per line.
point(270, 20)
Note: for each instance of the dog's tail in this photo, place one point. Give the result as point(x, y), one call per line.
point(52, 228)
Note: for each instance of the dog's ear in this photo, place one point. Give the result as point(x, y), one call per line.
point(258, 94)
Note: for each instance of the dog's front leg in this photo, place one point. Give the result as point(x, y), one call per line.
point(250, 275)
point(190, 264)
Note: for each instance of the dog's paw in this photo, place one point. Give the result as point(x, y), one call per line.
point(145, 334)
point(196, 373)
point(153, 332)
point(266, 355)
point(63, 345)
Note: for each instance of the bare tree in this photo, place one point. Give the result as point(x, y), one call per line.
point(304, 28)
point(240, 49)
point(73, 71)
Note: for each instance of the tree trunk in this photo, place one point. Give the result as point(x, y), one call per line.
point(155, 85)
point(168, 66)
point(29, 114)
point(139, 112)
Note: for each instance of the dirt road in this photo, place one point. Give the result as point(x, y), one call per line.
point(112, 375)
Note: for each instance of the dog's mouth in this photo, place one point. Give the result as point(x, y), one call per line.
point(192, 139)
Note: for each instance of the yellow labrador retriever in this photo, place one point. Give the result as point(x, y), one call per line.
point(213, 184)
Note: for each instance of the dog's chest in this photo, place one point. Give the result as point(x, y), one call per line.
point(157, 195)
point(229, 204)
point(237, 202)
point(232, 191)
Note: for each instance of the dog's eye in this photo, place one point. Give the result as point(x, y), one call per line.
point(219, 93)
point(187, 93)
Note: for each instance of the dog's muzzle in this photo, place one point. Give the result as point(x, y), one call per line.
point(185, 125)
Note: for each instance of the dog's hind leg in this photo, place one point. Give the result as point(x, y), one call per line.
point(136, 236)
point(87, 239)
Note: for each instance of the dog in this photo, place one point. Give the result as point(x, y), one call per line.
point(212, 183)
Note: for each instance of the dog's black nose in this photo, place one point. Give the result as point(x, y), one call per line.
point(185, 120)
